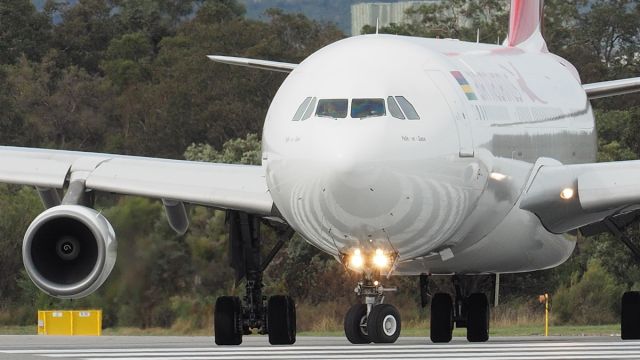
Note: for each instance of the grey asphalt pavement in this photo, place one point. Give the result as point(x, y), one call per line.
point(257, 347)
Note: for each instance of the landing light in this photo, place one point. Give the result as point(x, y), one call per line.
point(497, 176)
point(567, 193)
point(380, 259)
point(366, 260)
point(356, 259)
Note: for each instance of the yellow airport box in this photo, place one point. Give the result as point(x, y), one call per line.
point(70, 322)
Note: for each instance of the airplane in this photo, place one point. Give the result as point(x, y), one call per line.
point(397, 156)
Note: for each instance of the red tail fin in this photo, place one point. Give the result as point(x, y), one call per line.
point(525, 25)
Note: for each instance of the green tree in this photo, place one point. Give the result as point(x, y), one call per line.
point(593, 298)
point(235, 151)
point(128, 60)
point(18, 207)
point(617, 131)
point(155, 19)
point(23, 30)
point(196, 100)
point(458, 19)
point(72, 111)
point(84, 34)
point(153, 264)
point(12, 122)
point(213, 12)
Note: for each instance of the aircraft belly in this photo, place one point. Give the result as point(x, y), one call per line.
point(518, 244)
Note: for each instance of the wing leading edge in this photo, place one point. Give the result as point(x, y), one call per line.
point(254, 63)
point(237, 187)
point(612, 88)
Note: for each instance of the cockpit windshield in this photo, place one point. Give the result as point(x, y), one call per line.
point(407, 108)
point(333, 108)
point(363, 108)
point(395, 106)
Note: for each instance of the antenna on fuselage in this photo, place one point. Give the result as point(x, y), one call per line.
point(377, 25)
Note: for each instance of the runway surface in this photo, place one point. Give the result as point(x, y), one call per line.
point(255, 347)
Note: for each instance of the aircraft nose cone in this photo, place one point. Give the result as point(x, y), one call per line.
point(358, 181)
point(348, 164)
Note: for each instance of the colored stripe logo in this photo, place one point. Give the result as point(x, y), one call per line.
point(464, 85)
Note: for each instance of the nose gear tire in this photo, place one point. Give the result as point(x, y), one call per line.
point(383, 324)
point(355, 326)
point(227, 317)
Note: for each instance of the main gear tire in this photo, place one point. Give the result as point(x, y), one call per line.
point(227, 320)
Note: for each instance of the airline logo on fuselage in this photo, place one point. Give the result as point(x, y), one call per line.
point(496, 87)
point(464, 85)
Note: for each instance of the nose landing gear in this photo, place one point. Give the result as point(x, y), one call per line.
point(372, 321)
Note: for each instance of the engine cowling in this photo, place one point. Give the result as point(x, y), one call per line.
point(69, 251)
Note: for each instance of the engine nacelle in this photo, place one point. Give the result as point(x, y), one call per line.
point(69, 251)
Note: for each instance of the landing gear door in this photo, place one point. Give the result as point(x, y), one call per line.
point(457, 100)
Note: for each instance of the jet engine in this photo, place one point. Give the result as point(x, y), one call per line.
point(69, 251)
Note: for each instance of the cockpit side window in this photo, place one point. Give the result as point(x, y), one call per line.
point(407, 108)
point(301, 109)
point(309, 112)
point(333, 108)
point(394, 109)
point(363, 108)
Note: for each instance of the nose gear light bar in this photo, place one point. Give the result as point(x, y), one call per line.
point(369, 260)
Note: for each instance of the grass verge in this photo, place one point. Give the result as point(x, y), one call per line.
point(516, 330)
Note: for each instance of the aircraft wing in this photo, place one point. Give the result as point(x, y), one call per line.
point(254, 63)
point(237, 187)
point(598, 192)
point(612, 88)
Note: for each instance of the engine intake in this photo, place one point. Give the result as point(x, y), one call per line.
point(69, 251)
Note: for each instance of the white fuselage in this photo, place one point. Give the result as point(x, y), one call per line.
point(447, 184)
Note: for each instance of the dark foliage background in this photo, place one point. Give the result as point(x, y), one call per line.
point(131, 77)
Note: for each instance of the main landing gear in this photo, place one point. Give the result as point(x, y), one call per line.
point(276, 315)
point(630, 307)
point(372, 321)
point(470, 311)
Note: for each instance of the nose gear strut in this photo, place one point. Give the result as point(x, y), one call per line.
point(372, 321)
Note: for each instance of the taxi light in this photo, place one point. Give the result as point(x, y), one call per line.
point(380, 259)
point(356, 259)
point(567, 194)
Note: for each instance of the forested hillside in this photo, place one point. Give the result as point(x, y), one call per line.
point(131, 77)
point(337, 12)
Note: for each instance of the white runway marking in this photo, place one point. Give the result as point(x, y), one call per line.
point(500, 351)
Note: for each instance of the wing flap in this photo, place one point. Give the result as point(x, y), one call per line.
point(612, 88)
